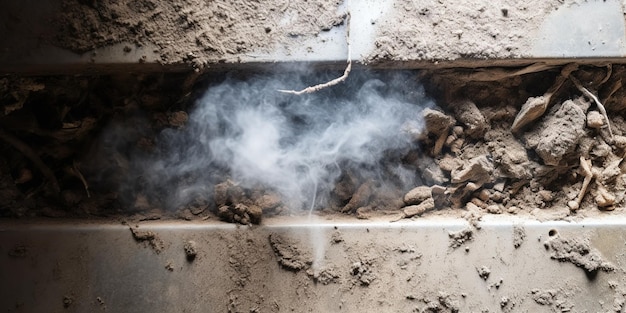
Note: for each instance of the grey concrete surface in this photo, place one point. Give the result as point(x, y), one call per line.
point(100, 267)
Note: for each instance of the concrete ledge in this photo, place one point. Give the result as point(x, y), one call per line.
point(364, 266)
point(391, 33)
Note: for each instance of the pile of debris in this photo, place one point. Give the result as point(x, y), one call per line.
point(499, 141)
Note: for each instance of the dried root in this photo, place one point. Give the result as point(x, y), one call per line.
point(585, 166)
point(335, 81)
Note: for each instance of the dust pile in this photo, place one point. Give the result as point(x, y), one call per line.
point(578, 252)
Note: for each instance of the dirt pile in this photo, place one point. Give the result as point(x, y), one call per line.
point(567, 161)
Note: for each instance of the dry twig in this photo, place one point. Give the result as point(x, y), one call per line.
point(335, 81)
point(81, 177)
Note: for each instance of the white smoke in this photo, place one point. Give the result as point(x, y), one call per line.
point(294, 145)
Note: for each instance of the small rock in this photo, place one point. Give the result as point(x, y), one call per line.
point(483, 272)
point(595, 119)
point(497, 197)
point(269, 201)
point(467, 113)
point(437, 122)
point(546, 195)
point(604, 198)
point(191, 250)
point(477, 170)
point(419, 209)
point(449, 163)
point(255, 213)
point(494, 209)
point(561, 136)
point(360, 198)
point(499, 186)
point(417, 195)
point(363, 213)
point(484, 195)
point(479, 203)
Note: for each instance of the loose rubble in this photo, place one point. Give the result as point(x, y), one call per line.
point(475, 153)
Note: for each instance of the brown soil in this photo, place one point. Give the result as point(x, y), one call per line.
point(60, 157)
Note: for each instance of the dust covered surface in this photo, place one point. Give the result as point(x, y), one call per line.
point(431, 30)
point(193, 31)
point(411, 144)
point(577, 251)
point(287, 253)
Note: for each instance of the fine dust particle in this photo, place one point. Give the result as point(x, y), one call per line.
point(149, 238)
point(483, 272)
point(100, 301)
point(458, 238)
point(519, 235)
point(67, 301)
point(578, 252)
point(169, 266)
point(287, 253)
point(191, 250)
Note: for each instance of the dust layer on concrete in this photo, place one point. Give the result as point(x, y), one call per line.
point(193, 31)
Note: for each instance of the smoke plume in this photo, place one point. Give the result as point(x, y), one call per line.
point(294, 145)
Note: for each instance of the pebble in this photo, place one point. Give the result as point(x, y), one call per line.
point(419, 209)
point(484, 195)
point(191, 250)
point(479, 203)
point(546, 195)
point(595, 119)
point(457, 130)
point(417, 195)
point(605, 199)
point(494, 209)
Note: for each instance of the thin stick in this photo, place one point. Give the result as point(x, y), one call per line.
point(81, 177)
point(595, 99)
point(32, 156)
point(335, 81)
